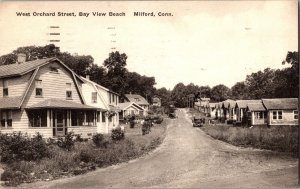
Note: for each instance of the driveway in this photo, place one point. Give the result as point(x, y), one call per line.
point(188, 158)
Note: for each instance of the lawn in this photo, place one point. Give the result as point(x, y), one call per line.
point(41, 161)
point(276, 138)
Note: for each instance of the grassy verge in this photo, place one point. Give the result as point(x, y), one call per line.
point(277, 138)
point(84, 156)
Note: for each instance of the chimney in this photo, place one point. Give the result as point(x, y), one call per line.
point(87, 77)
point(21, 58)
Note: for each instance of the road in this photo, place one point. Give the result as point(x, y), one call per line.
point(188, 158)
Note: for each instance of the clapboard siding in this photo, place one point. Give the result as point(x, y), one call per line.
point(16, 85)
point(84, 131)
point(87, 90)
point(287, 118)
point(54, 85)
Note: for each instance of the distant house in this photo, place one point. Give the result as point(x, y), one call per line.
point(201, 105)
point(44, 96)
point(219, 110)
point(256, 114)
point(106, 101)
point(212, 110)
point(231, 111)
point(225, 105)
point(156, 101)
point(240, 109)
point(138, 99)
point(282, 111)
point(130, 108)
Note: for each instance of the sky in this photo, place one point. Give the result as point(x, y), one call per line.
point(203, 42)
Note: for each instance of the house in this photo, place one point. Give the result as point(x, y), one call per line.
point(156, 101)
point(212, 110)
point(44, 96)
point(240, 109)
point(130, 108)
point(202, 104)
point(219, 110)
point(106, 101)
point(231, 111)
point(225, 105)
point(281, 111)
point(138, 99)
point(256, 114)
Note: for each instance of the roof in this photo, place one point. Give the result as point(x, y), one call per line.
point(256, 107)
point(125, 105)
point(10, 102)
point(62, 104)
point(281, 103)
point(227, 102)
point(114, 108)
point(205, 99)
point(98, 85)
point(213, 105)
point(156, 99)
point(137, 99)
point(243, 103)
point(22, 68)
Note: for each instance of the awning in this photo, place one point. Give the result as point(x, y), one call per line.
point(61, 104)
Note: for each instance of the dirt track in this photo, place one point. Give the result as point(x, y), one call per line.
point(189, 158)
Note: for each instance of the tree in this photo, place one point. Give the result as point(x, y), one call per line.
point(116, 71)
point(240, 91)
point(179, 95)
point(164, 95)
point(220, 92)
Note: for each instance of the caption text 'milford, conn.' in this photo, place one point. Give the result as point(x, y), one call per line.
point(87, 14)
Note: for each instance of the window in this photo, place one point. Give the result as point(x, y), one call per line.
point(90, 118)
point(98, 117)
point(53, 69)
point(77, 118)
point(6, 118)
point(277, 114)
point(109, 98)
point(37, 118)
point(5, 88)
point(68, 91)
point(103, 117)
point(94, 97)
point(113, 97)
point(38, 88)
point(296, 114)
point(259, 115)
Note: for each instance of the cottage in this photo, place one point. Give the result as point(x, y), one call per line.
point(256, 114)
point(212, 110)
point(130, 108)
point(106, 101)
point(281, 111)
point(231, 111)
point(240, 109)
point(225, 105)
point(219, 110)
point(201, 105)
point(138, 99)
point(44, 96)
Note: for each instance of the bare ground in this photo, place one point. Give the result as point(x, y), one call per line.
point(188, 158)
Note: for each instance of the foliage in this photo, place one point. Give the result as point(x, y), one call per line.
point(67, 142)
point(100, 141)
point(20, 147)
point(117, 134)
point(240, 91)
point(277, 138)
point(146, 127)
point(220, 93)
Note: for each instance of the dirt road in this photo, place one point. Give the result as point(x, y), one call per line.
point(189, 158)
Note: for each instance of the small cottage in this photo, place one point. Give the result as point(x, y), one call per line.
point(240, 109)
point(256, 114)
point(129, 109)
point(138, 99)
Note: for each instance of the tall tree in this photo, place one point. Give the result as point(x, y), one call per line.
point(240, 91)
point(220, 93)
point(179, 95)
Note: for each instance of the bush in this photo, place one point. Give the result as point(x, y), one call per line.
point(13, 178)
point(67, 142)
point(20, 147)
point(100, 141)
point(117, 134)
point(146, 127)
point(78, 138)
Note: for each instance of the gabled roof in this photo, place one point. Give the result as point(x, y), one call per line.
point(156, 99)
point(243, 103)
point(281, 103)
point(137, 99)
point(10, 102)
point(61, 104)
point(125, 105)
point(205, 99)
point(255, 107)
point(213, 105)
point(97, 85)
point(22, 68)
point(225, 103)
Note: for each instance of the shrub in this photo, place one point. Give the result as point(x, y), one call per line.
point(146, 127)
point(13, 178)
point(158, 120)
point(117, 134)
point(67, 142)
point(78, 138)
point(100, 141)
point(19, 147)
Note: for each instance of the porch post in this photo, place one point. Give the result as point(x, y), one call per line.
point(106, 123)
point(48, 118)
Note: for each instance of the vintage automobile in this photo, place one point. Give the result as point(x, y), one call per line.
point(198, 121)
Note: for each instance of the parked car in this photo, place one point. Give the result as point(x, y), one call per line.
point(198, 121)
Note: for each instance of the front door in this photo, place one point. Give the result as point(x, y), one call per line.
point(60, 124)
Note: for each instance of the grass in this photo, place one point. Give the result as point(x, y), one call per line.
point(276, 138)
point(85, 156)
